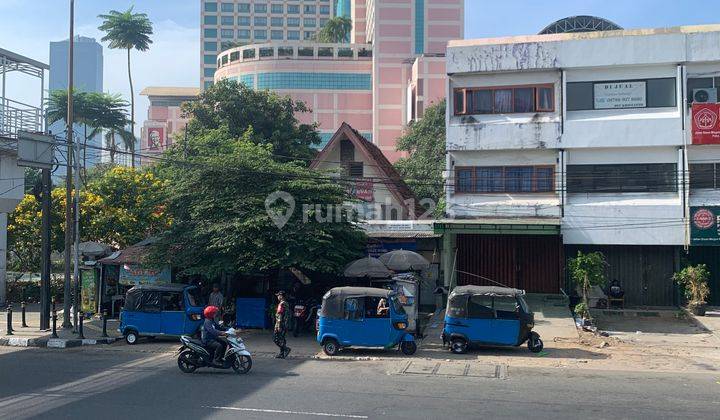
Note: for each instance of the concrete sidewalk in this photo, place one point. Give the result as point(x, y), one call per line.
point(709, 322)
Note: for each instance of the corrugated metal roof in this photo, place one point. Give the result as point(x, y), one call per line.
point(403, 234)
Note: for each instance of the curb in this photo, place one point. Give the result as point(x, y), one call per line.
point(57, 343)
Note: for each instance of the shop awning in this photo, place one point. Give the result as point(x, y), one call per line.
point(499, 226)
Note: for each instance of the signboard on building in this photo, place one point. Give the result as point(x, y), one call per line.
point(133, 275)
point(156, 138)
point(614, 95)
point(363, 190)
point(705, 225)
point(706, 123)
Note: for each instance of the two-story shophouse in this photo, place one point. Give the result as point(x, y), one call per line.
point(567, 142)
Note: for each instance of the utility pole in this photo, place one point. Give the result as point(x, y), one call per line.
point(46, 264)
point(68, 173)
point(76, 232)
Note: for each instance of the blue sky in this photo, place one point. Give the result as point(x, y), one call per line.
point(27, 27)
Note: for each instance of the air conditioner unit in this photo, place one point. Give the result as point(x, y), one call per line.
point(705, 95)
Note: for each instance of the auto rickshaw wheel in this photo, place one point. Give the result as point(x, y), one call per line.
point(131, 337)
point(242, 364)
point(458, 345)
point(535, 344)
point(331, 347)
point(185, 362)
point(408, 348)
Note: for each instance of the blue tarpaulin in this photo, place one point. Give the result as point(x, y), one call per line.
point(250, 312)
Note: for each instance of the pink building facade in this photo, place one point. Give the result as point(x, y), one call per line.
point(164, 119)
point(393, 69)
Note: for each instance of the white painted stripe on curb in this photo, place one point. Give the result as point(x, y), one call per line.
point(18, 342)
point(57, 343)
point(88, 342)
point(303, 413)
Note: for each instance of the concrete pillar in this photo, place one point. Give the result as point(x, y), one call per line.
point(448, 259)
point(3, 256)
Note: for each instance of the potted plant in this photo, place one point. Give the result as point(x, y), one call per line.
point(587, 270)
point(693, 280)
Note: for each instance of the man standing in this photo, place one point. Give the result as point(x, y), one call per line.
point(216, 297)
point(282, 322)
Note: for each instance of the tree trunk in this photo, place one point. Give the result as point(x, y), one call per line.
point(586, 290)
point(112, 147)
point(132, 112)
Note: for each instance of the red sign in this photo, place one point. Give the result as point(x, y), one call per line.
point(363, 190)
point(704, 219)
point(705, 127)
point(156, 138)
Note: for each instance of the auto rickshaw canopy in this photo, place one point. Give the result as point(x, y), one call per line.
point(333, 304)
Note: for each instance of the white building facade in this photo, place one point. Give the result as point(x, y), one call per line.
point(577, 142)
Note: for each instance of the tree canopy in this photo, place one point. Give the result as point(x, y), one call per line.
point(336, 30)
point(424, 140)
point(270, 116)
point(221, 224)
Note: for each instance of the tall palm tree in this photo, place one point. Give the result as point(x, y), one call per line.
point(336, 30)
point(128, 30)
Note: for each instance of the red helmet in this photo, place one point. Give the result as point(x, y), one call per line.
point(210, 312)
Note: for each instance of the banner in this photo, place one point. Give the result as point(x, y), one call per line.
point(705, 225)
point(705, 127)
point(613, 95)
point(363, 190)
point(156, 138)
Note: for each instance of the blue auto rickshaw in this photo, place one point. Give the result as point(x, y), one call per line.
point(160, 310)
point(488, 315)
point(363, 317)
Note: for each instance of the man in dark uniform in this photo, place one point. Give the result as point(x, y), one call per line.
point(282, 323)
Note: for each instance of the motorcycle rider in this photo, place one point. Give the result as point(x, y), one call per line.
point(282, 322)
point(211, 332)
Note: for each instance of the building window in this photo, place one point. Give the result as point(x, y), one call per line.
point(293, 9)
point(260, 21)
point(293, 35)
point(244, 20)
point(324, 10)
point(209, 71)
point(274, 34)
point(504, 100)
point(210, 33)
point(210, 6)
point(260, 8)
point(309, 9)
point(309, 22)
point(505, 179)
point(293, 21)
point(353, 169)
point(210, 20)
point(227, 33)
point(621, 94)
point(210, 46)
point(227, 20)
point(243, 7)
point(323, 22)
point(209, 59)
point(277, 21)
point(227, 7)
point(704, 175)
point(308, 80)
point(308, 35)
point(276, 8)
point(651, 177)
point(347, 151)
point(244, 33)
point(260, 34)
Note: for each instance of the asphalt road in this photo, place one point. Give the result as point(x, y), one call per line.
point(105, 384)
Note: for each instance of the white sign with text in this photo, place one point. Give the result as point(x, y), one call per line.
point(620, 95)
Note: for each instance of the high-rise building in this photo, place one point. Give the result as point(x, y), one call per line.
point(392, 69)
point(87, 77)
point(230, 23)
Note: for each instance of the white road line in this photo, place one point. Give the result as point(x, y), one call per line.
point(305, 413)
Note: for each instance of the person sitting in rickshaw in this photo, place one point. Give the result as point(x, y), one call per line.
point(211, 332)
point(383, 309)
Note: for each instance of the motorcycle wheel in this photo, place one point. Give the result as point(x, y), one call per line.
point(186, 363)
point(534, 343)
point(242, 364)
point(408, 348)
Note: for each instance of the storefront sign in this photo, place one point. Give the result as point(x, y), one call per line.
point(376, 249)
point(363, 190)
point(620, 95)
point(88, 294)
point(133, 275)
point(156, 138)
point(705, 124)
point(705, 225)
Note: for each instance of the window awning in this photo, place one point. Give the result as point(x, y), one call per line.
point(509, 226)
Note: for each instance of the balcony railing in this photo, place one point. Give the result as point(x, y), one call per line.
point(294, 51)
point(16, 116)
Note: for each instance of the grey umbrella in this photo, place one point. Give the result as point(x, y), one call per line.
point(367, 267)
point(403, 260)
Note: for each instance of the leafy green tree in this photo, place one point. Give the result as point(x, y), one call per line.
point(587, 270)
point(217, 200)
point(424, 140)
point(127, 30)
point(272, 118)
point(336, 30)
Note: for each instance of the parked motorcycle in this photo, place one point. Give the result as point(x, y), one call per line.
point(193, 354)
point(304, 315)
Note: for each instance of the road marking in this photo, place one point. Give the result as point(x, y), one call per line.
point(304, 413)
